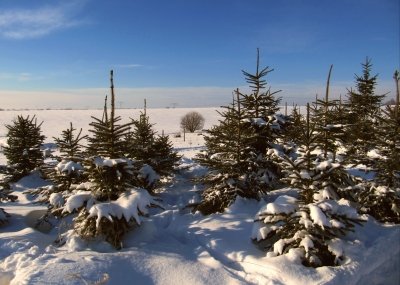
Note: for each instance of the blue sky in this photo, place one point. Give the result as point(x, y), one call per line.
point(188, 52)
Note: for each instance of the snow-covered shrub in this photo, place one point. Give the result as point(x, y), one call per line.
point(381, 202)
point(287, 223)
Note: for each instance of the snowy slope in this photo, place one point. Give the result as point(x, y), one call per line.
point(174, 246)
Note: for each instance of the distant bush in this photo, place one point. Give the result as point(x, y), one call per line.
point(192, 121)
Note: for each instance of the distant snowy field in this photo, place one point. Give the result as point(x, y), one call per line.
point(165, 120)
point(54, 121)
point(172, 245)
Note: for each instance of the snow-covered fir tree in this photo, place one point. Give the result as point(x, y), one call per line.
point(236, 148)
point(314, 222)
point(24, 139)
point(114, 203)
point(234, 166)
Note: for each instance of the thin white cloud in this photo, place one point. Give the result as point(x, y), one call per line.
point(129, 66)
point(34, 23)
point(22, 76)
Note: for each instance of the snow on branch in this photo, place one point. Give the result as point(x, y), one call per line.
point(129, 205)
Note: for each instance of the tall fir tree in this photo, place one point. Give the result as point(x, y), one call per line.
point(381, 197)
point(236, 148)
point(235, 168)
point(108, 168)
point(364, 105)
point(260, 108)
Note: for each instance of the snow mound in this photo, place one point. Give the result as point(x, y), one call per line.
point(283, 204)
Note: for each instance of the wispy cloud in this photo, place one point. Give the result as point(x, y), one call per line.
point(129, 66)
point(21, 76)
point(39, 22)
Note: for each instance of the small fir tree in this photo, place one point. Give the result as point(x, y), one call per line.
point(69, 169)
point(380, 201)
point(326, 114)
point(24, 140)
point(148, 148)
point(165, 158)
point(141, 139)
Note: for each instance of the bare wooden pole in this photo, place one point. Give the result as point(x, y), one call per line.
point(396, 77)
point(239, 119)
point(105, 115)
point(328, 80)
point(285, 108)
point(112, 98)
point(308, 132)
point(112, 115)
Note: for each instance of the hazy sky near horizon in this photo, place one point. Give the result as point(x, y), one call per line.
point(188, 53)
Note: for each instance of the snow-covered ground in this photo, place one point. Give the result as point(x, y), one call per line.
point(173, 245)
